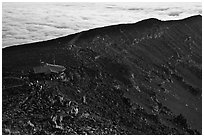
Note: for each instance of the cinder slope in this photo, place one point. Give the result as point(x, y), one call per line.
point(142, 78)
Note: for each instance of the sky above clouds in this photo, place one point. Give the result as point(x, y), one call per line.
point(32, 22)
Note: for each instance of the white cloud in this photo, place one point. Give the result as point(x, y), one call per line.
point(30, 22)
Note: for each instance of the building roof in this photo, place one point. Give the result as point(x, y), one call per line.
point(48, 68)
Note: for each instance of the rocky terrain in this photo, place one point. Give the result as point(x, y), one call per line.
point(141, 78)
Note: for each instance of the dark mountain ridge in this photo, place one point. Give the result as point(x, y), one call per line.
point(149, 71)
point(143, 23)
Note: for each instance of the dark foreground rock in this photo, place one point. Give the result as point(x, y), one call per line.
point(142, 78)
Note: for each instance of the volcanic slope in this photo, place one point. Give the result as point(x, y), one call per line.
point(141, 78)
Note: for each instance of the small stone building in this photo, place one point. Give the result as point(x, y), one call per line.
point(48, 69)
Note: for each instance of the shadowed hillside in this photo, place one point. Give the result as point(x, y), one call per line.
point(141, 78)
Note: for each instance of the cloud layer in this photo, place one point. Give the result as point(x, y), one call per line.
point(31, 22)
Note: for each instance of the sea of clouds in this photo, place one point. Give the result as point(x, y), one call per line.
point(32, 22)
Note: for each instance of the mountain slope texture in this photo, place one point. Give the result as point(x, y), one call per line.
point(141, 78)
